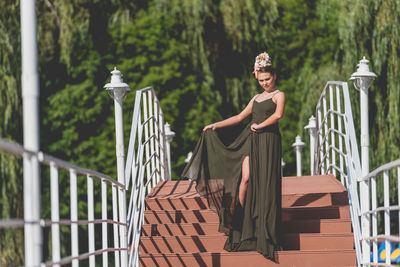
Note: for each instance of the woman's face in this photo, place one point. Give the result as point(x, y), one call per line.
point(266, 80)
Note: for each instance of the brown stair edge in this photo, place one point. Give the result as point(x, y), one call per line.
point(285, 258)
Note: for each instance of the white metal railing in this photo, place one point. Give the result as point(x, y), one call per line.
point(146, 163)
point(75, 174)
point(336, 151)
point(381, 211)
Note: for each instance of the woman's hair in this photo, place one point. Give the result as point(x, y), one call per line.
point(268, 69)
point(263, 63)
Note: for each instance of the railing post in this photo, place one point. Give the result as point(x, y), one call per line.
point(312, 130)
point(169, 136)
point(30, 99)
point(298, 145)
point(362, 80)
point(118, 90)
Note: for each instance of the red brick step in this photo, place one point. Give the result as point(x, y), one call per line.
point(200, 216)
point(184, 244)
point(211, 228)
point(316, 258)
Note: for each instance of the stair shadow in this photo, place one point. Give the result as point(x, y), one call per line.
point(307, 199)
point(312, 213)
point(157, 189)
point(337, 198)
point(293, 243)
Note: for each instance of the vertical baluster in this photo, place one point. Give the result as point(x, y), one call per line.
point(320, 135)
point(339, 109)
point(374, 220)
point(55, 214)
point(115, 219)
point(386, 201)
point(74, 217)
point(104, 236)
point(331, 107)
point(157, 132)
point(326, 134)
point(90, 218)
point(164, 164)
point(28, 211)
point(398, 194)
point(146, 136)
point(152, 122)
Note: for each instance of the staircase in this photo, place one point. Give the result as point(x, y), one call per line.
point(180, 230)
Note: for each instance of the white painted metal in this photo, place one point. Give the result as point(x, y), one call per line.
point(55, 165)
point(312, 130)
point(362, 80)
point(169, 136)
point(298, 145)
point(115, 226)
point(326, 148)
point(121, 179)
point(118, 90)
point(332, 119)
point(30, 107)
point(157, 141)
point(341, 128)
point(152, 149)
point(374, 220)
point(90, 211)
point(146, 136)
point(339, 120)
point(104, 223)
point(387, 212)
point(319, 169)
point(74, 217)
point(55, 215)
point(325, 122)
point(146, 163)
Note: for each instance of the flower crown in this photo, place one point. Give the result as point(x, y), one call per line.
point(262, 60)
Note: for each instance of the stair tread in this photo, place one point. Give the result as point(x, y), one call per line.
point(238, 253)
point(298, 185)
point(219, 236)
point(284, 258)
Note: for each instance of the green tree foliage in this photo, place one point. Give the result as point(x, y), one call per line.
point(11, 249)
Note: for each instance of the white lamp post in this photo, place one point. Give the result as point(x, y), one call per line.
point(298, 146)
point(362, 80)
point(282, 166)
point(169, 135)
point(117, 89)
point(312, 130)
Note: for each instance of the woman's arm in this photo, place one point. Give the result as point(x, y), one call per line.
point(280, 108)
point(234, 119)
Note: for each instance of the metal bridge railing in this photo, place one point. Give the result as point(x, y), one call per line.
point(146, 163)
point(74, 175)
point(381, 212)
point(336, 151)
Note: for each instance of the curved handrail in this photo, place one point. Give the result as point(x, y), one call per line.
point(146, 162)
point(336, 149)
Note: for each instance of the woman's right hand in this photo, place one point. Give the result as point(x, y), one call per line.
point(210, 126)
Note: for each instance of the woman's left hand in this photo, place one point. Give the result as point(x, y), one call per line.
point(253, 127)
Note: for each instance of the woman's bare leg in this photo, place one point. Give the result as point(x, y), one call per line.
point(244, 181)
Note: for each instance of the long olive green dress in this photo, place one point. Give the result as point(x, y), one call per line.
point(216, 168)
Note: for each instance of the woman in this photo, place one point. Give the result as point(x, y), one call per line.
point(242, 180)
